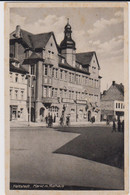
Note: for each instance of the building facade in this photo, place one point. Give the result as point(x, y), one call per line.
point(64, 82)
point(18, 92)
point(112, 102)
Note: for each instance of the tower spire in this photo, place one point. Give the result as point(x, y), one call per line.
point(67, 20)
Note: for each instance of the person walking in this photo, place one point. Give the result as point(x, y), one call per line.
point(114, 126)
point(67, 120)
point(61, 120)
point(54, 118)
point(51, 121)
point(119, 125)
point(46, 119)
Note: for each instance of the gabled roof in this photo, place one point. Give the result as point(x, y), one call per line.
point(115, 92)
point(34, 41)
point(40, 40)
point(25, 35)
point(86, 57)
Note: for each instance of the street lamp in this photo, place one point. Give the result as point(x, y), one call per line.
point(30, 76)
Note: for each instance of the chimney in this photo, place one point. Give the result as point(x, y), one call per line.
point(113, 83)
point(17, 31)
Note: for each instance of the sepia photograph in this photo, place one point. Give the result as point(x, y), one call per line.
point(66, 86)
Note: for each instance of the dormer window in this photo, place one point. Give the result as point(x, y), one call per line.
point(51, 44)
point(63, 60)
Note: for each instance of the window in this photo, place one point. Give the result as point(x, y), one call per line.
point(11, 77)
point(52, 56)
point(91, 97)
point(22, 78)
point(76, 79)
point(49, 54)
point(63, 60)
point(55, 92)
point(32, 69)
point(65, 75)
point(22, 95)
point(72, 78)
point(79, 80)
point(61, 93)
point(56, 73)
point(45, 92)
point(16, 78)
point(65, 93)
point(69, 77)
point(50, 71)
point(92, 82)
point(45, 70)
point(16, 94)
point(49, 92)
point(72, 94)
point(86, 80)
point(11, 91)
point(53, 72)
point(52, 92)
point(69, 94)
point(83, 96)
point(61, 74)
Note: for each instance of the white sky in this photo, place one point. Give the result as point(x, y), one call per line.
point(94, 29)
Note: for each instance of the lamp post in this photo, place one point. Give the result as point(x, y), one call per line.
point(30, 76)
point(76, 107)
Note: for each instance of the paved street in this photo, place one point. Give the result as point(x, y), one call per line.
point(66, 156)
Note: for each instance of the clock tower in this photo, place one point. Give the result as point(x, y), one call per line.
point(67, 46)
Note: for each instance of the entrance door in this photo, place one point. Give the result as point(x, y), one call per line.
point(14, 113)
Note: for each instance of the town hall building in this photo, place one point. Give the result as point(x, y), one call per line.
point(63, 82)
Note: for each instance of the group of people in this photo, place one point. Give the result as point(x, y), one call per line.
point(50, 120)
point(67, 120)
point(118, 126)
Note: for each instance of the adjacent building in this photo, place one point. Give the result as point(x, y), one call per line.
point(112, 102)
point(63, 81)
point(18, 91)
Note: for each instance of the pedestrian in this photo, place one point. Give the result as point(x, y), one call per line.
point(67, 120)
point(107, 121)
point(122, 126)
point(61, 120)
point(46, 118)
point(54, 118)
point(114, 126)
point(51, 121)
point(119, 125)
